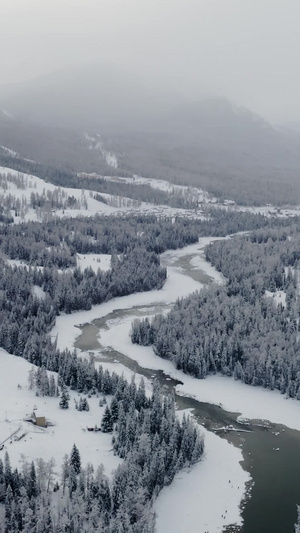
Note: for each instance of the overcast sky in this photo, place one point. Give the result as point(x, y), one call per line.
point(246, 50)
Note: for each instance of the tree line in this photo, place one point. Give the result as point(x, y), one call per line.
point(56, 242)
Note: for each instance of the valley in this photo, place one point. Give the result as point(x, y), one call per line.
point(240, 424)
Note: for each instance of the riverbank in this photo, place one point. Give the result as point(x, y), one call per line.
point(207, 497)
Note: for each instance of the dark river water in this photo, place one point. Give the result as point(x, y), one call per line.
point(271, 452)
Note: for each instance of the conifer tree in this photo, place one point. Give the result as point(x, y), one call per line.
point(75, 460)
point(107, 423)
point(64, 398)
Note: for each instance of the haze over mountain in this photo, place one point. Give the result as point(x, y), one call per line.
point(210, 142)
point(94, 96)
point(246, 51)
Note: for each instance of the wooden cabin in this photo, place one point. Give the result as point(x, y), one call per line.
point(37, 420)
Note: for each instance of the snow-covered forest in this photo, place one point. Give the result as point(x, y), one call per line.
point(247, 328)
point(250, 327)
point(146, 434)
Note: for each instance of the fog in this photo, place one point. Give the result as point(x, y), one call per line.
point(245, 50)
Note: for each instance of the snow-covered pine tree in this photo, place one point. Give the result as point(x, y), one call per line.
point(75, 460)
point(107, 423)
point(64, 398)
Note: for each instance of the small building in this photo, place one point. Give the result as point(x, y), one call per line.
point(37, 420)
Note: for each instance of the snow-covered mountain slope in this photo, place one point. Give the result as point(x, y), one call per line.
point(23, 194)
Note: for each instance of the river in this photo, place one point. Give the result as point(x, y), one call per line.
point(270, 451)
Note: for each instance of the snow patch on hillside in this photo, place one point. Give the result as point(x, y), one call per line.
point(9, 151)
point(88, 205)
point(96, 144)
point(32, 184)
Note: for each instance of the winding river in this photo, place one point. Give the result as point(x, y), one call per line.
point(270, 451)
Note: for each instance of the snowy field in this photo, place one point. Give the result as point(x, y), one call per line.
point(88, 206)
point(279, 297)
point(234, 396)
point(70, 425)
point(176, 286)
point(94, 261)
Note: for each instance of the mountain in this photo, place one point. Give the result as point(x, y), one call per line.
point(58, 147)
point(225, 149)
point(212, 143)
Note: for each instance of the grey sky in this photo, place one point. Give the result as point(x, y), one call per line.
point(246, 50)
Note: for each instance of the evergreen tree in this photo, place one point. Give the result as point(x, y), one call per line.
point(114, 409)
point(75, 460)
point(64, 398)
point(107, 423)
point(32, 488)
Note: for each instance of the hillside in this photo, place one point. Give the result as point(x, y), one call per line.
point(210, 143)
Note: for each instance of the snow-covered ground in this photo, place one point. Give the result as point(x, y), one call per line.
point(9, 151)
point(119, 206)
point(94, 261)
point(18, 263)
point(163, 185)
point(278, 296)
point(70, 426)
point(207, 496)
point(88, 206)
point(205, 198)
point(234, 396)
point(176, 284)
point(38, 292)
